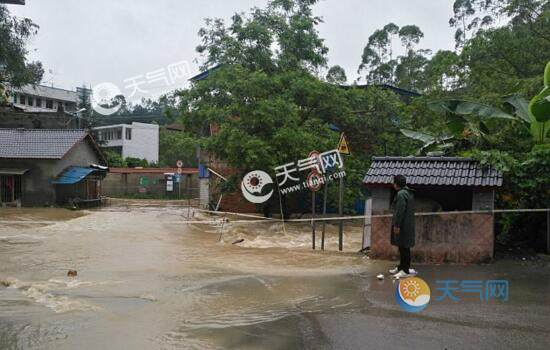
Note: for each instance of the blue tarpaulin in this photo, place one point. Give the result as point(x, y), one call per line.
point(73, 175)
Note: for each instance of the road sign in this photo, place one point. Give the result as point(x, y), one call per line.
point(343, 145)
point(179, 164)
point(180, 171)
point(314, 154)
point(177, 178)
point(314, 181)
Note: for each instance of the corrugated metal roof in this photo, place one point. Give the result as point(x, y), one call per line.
point(437, 171)
point(72, 175)
point(38, 143)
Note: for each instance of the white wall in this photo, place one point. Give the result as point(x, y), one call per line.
point(144, 143)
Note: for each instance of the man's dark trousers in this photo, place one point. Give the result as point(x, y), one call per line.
point(405, 259)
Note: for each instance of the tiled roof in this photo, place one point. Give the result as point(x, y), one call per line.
point(438, 171)
point(38, 143)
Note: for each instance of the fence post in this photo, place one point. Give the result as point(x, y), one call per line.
point(313, 219)
point(341, 213)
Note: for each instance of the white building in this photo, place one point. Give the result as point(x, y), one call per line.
point(41, 98)
point(138, 140)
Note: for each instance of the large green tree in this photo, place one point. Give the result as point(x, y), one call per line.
point(381, 65)
point(268, 101)
point(15, 69)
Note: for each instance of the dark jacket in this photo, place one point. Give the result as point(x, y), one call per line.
point(403, 217)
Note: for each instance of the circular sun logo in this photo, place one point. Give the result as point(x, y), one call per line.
point(412, 294)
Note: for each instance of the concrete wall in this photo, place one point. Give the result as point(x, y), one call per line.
point(445, 237)
point(381, 198)
point(12, 119)
point(128, 184)
point(37, 189)
point(204, 197)
point(144, 143)
point(483, 199)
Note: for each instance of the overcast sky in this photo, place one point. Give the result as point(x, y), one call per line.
point(91, 42)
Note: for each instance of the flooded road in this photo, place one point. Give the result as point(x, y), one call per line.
point(147, 280)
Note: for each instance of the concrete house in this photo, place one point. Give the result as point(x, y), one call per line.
point(448, 187)
point(42, 98)
point(46, 167)
point(137, 140)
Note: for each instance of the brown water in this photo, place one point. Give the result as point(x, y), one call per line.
point(147, 280)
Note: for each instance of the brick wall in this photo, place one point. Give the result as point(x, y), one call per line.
point(231, 201)
point(456, 238)
point(236, 203)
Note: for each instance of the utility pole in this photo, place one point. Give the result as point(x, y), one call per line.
point(341, 213)
point(324, 215)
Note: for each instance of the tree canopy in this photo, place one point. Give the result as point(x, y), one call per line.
point(270, 105)
point(15, 69)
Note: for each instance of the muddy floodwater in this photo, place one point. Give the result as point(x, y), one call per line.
point(148, 280)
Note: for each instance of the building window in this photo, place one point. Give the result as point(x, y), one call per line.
point(22, 99)
point(119, 134)
point(30, 100)
point(15, 98)
point(38, 102)
point(128, 133)
point(49, 104)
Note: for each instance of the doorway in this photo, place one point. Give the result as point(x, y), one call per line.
point(10, 189)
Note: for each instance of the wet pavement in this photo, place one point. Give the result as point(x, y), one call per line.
point(148, 280)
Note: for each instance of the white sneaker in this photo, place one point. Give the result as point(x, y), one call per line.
point(394, 270)
point(413, 272)
point(400, 274)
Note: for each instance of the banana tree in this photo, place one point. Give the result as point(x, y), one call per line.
point(459, 124)
point(434, 145)
point(539, 107)
point(467, 118)
point(535, 115)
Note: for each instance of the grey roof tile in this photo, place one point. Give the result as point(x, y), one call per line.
point(439, 171)
point(38, 143)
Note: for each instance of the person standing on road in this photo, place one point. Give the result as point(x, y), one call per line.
point(402, 229)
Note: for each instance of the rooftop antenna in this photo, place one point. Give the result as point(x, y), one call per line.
point(51, 79)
